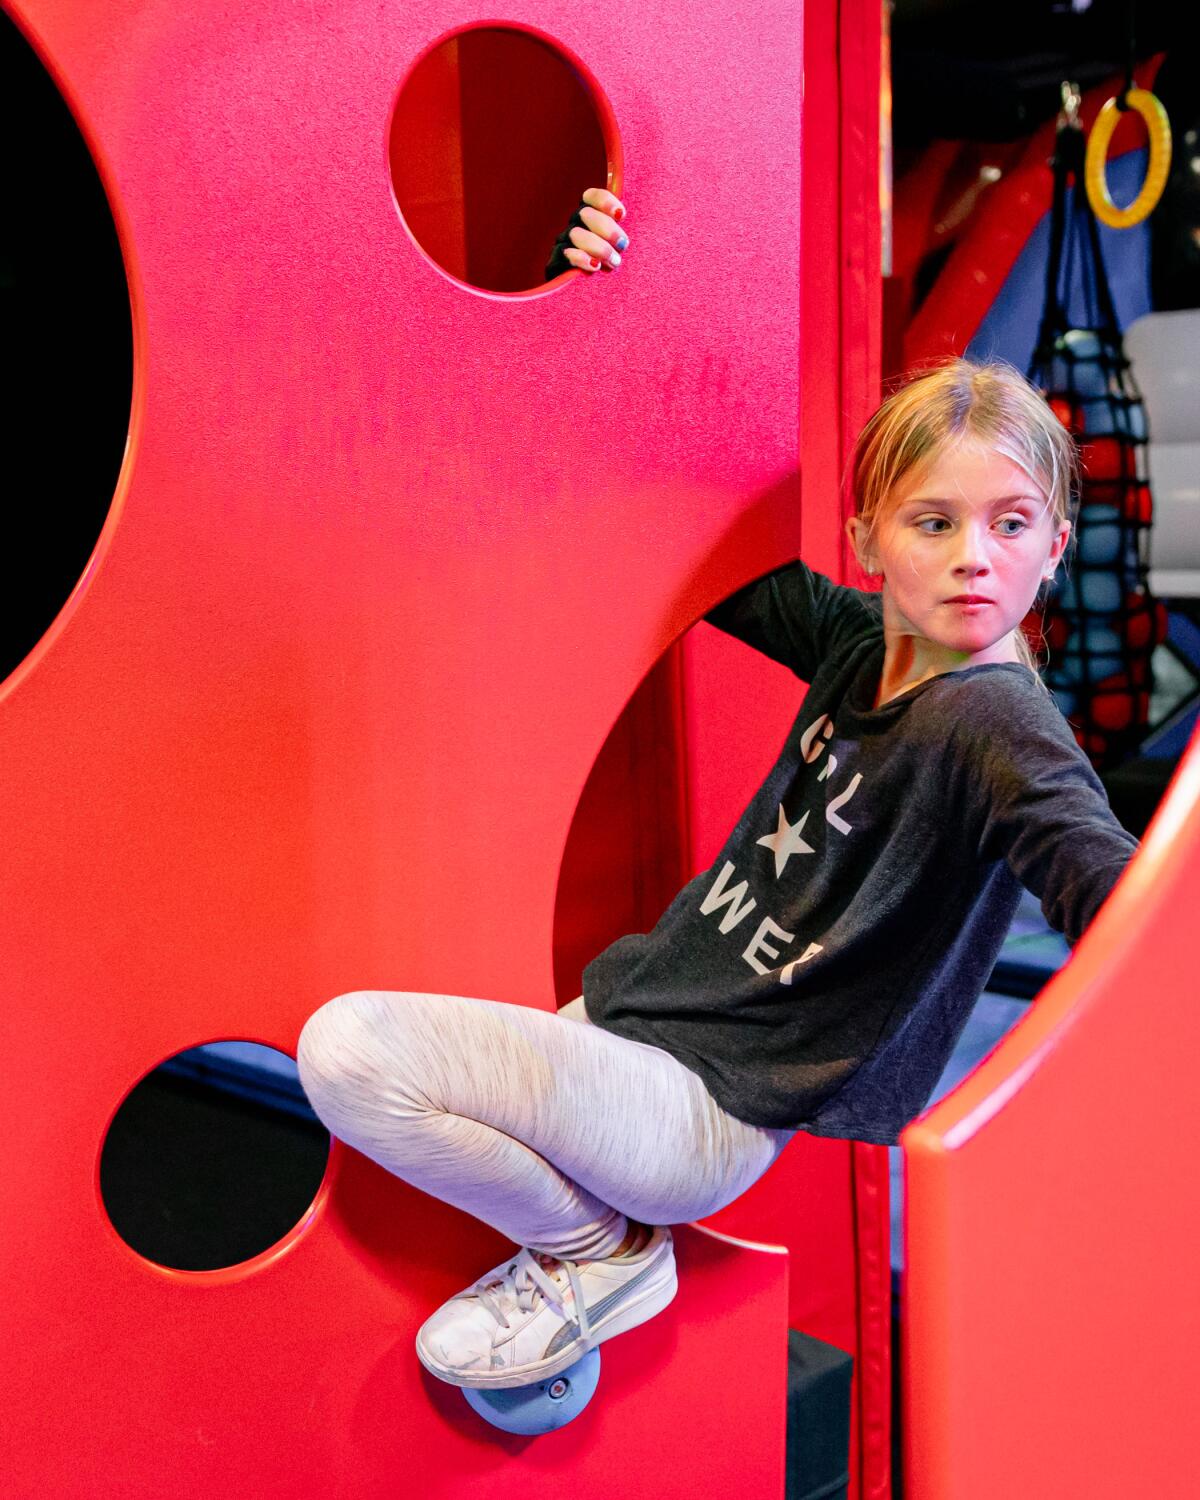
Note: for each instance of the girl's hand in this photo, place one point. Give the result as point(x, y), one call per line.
point(594, 240)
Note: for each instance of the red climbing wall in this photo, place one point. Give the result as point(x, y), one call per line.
point(387, 559)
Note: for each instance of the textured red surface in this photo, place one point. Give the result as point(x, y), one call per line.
point(387, 559)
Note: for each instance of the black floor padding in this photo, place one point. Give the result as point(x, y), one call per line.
point(818, 1428)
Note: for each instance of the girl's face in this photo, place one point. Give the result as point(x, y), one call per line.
point(963, 546)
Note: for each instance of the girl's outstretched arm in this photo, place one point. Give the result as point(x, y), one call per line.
point(1045, 812)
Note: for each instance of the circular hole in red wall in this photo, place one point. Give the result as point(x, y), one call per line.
point(69, 351)
point(679, 767)
point(213, 1157)
point(495, 137)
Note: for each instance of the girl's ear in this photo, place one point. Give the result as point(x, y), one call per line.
point(857, 532)
point(1057, 547)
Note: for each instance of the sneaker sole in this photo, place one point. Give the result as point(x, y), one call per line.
point(629, 1315)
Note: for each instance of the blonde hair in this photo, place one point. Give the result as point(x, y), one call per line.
point(957, 401)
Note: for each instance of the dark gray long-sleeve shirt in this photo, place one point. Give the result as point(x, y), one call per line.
point(819, 974)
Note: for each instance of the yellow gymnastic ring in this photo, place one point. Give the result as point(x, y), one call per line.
point(1159, 129)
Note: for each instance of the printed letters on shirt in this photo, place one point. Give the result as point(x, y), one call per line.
point(786, 840)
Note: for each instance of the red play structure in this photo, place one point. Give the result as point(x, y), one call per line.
point(380, 678)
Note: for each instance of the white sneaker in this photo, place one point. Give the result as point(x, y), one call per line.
point(533, 1316)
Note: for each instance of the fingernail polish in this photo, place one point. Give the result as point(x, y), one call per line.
point(614, 259)
point(593, 260)
point(623, 242)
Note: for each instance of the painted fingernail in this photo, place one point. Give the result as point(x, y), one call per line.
point(614, 259)
point(593, 260)
point(623, 242)
point(618, 214)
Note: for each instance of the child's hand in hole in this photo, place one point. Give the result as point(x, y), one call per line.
point(599, 242)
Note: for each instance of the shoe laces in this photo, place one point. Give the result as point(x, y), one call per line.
point(525, 1284)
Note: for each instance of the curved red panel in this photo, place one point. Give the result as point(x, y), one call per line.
point(1053, 1213)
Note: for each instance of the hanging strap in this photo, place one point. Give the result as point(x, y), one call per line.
point(1053, 313)
point(1070, 148)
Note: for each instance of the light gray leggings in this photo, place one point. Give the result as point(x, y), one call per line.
point(548, 1130)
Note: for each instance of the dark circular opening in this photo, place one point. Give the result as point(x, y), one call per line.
point(213, 1157)
point(496, 135)
point(678, 768)
point(70, 351)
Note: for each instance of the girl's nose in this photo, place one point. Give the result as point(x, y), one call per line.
point(971, 553)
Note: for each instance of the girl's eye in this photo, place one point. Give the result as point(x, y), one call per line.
point(932, 525)
point(1011, 525)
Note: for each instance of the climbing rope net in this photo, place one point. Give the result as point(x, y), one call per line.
point(1102, 623)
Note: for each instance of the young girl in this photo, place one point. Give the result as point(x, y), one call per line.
point(817, 977)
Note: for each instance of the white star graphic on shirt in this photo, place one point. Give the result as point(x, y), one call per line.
point(786, 841)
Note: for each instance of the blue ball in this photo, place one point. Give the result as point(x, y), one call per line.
point(1101, 418)
point(1099, 545)
point(1098, 593)
point(1096, 638)
point(1088, 374)
point(1130, 420)
point(1092, 513)
point(542, 1407)
point(1082, 343)
point(1099, 667)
